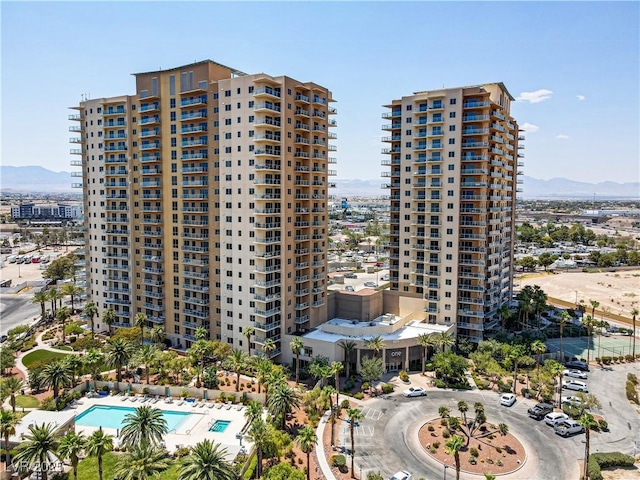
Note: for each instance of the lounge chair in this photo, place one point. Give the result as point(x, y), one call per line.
point(124, 397)
point(133, 399)
point(219, 405)
point(210, 404)
point(201, 404)
point(240, 407)
point(168, 400)
point(181, 402)
point(155, 400)
point(229, 406)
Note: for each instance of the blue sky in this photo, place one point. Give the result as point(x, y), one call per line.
point(574, 66)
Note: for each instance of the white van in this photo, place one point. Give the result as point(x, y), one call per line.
point(11, 259)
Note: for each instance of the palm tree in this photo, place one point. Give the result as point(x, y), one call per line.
point(376, 344)
point(452, 447)
point(249, 332)
point(62, 315)
point(539, 302)
point(253, 411)
point(444, 340)
point(147, 355)
point(8, 423)
point(589, 322)
point(118, 355)
point(142, 462)
point(306, 440)
point(93, 360)
point(55, 375)
point(71, 446)
point(282, 400)
point(425, 340)
point(354, 416)
point(268, 346)
point(91, 311)
point(538, 348)
point(10, 387)
point(108, 317)
point(296, 348)
point(444, 412)
point(157, 335)
point(634, 314)
point(206, 462)
point(98, 444)
point(556, 370)
point(201, 333)
point(37, 446)
point(347, 346)
point(594, 304)
point(141, 322)
point(41, 297)
point(336, 368)
point(74, 364)
point(236, 363)
point(589, 423)
point(53, 295)
point(463, 408)
point(259, 434)
point(263, 368)
point(71, 290)
point(145, 425)
point(562, 321)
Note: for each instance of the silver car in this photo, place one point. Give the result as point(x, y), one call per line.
point(575, 385)
point(568, 427)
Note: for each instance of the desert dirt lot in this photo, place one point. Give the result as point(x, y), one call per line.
point(617, 292)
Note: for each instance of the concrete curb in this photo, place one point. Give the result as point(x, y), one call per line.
point(320, 453)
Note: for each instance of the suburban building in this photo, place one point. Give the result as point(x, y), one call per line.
point(50, 211)
point(453, 160)
point(206, 203)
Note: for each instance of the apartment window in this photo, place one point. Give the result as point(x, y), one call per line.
point(408, 108)
point(448, 269)
point(449, 193)
point(447, 294)
point(251, 118)
point(452, 101)
point(452, 154)
point(227, 93)
point(450, 180)
point(227, 121)
point(452, 114)
point(172, 86)
point(227, 136)
point(172, 116)
point(227, 108)
point(216, 109)
point(407, 144)
point(407, 132)
point(452, 141)
point(449, 231)
point(447, 281)
point(251, 89)
point(452, 128)
point(251, 103)
point(215, 96)
point(451, 167)
point(408, 120)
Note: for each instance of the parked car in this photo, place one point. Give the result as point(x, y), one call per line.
point(401, 475)
point(507, 399)
point(555, 417)
point(577, 365)
point(349, 288)
point(350, 275)
point(572, 400)
point(575, 374)
point(575, 385)
point(370, 284)
point(538, 411)
point(414, 392)
point(568, 427)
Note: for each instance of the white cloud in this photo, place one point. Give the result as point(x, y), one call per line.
point(529, 127)
point(581, 97)
point(536, 96)
point(562, 137)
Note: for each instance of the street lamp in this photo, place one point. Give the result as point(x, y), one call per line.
point(576, 299)
point(445, 471)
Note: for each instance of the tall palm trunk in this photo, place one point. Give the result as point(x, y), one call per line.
point(100, 467)
point(457, 460)
point(353, 473)
point(308, 466)
point(561, 351)
point(586, 453)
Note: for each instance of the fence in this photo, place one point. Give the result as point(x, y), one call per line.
point(20, 286)
point(175, 391)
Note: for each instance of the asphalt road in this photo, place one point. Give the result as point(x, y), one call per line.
point(392, 443)
point(17, 309)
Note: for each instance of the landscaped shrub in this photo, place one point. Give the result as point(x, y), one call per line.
point(404, 376)
point(430, 428)
point(482, 384)
point(349, 384)
point(605, 460)
point(344, 403)
point(603, 425)
point(446, 434)
point(338, 461)
point(365, 386)
point(473, 452)
point(632, 393)
point(436, 444)
point(631, 377)
point(358, 396)
point(440, 383)
point(499, 463)
point(387, 388)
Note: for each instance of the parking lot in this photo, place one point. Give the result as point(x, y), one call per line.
point(388, 440)
point(377, 278)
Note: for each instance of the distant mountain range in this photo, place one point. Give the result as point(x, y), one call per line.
point(39, 179)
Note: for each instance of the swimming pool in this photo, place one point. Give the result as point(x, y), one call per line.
point(219, 426)
point(113, 417)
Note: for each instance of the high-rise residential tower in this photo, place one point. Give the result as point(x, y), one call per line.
point(205, 199)
point(453, 161)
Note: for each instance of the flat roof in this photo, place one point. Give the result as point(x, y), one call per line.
point(233, 70)
point(413, 329)
point(39, 417)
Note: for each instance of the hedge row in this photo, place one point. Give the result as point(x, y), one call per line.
point(605, 460)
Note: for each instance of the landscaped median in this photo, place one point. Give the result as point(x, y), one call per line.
point(605, 460)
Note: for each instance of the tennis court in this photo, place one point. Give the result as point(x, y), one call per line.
point(599, 345)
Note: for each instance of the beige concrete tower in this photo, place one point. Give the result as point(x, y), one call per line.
point(453, 161)
point(215, 202)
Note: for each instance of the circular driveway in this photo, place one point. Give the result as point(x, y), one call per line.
point(389, 441)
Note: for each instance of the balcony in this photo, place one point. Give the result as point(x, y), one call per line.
point(267, 122)
point(189, 102)
point(301, 98)
point(149, 107)
point(194, 156)
point(194, 129)
point(150, 146)
point(266, 92)
point(392, 126)
point(268, 106)
point(149, 120)
point(193, 116)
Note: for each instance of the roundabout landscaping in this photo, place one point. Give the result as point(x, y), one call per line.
point(487, 451)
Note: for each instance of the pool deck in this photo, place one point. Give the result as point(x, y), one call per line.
point(192, 430)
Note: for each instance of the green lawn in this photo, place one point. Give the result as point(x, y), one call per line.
point(45, 356)
point(88, 468)
point(26, 401)
point(65, 348)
